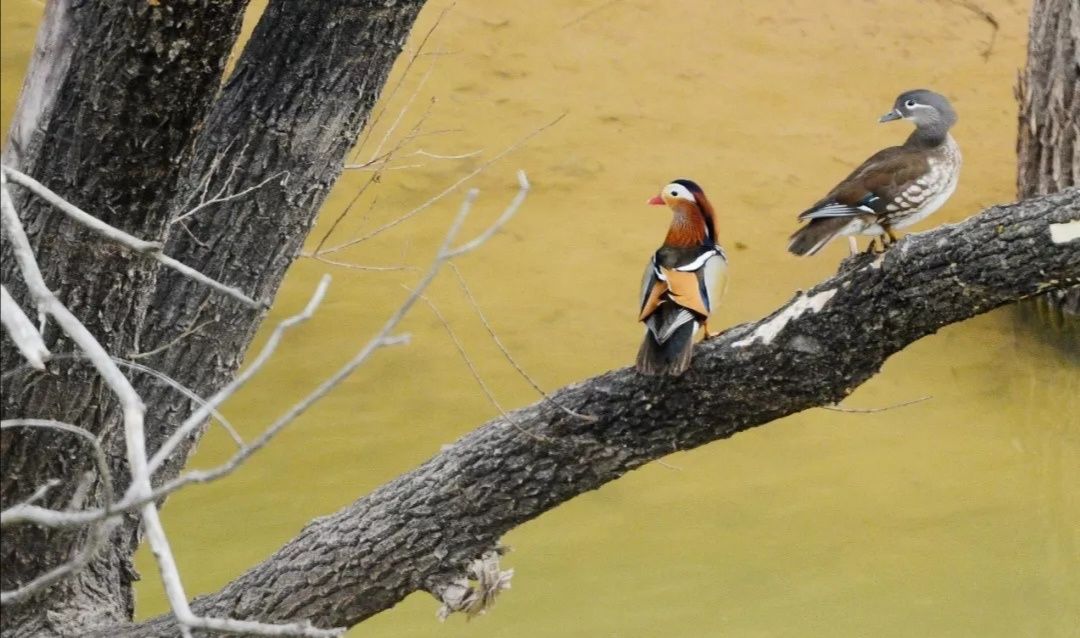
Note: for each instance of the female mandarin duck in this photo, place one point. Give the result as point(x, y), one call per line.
point(683, 281)
point(896, 187)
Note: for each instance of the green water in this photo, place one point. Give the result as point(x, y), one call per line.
point(956, 516)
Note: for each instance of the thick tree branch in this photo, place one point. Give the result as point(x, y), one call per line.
point(423, 530)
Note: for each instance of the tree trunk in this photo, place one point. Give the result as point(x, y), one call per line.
point(132, 133)
point(1048, 142)
point(108, 111)
point(420, 530)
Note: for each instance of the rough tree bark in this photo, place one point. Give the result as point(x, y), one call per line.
point(420, 530)
point(1048, 140)
point(121, 114)
point(107, 113)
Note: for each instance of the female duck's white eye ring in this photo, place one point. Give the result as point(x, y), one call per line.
point(909, 103)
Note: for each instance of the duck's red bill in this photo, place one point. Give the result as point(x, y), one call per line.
point(656, 201)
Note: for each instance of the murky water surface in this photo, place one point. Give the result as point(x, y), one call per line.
point(957, 516)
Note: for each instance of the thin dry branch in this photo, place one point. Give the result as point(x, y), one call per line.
point(47, 303)
point(52, 518)
point(449, 189)
point(172, 342)
point(149, 248)
point(401, 113)
point(374, 179)
point(389, 98)
point(475, 372)
point(22, 331)
point(157, 374)
point(187, 392)
point(140, 489)
point(203, 412)
point(503, 349)
point(96, 538)
point(362, 267)
point(837, 408)
point(221, 198)
point(383, 338)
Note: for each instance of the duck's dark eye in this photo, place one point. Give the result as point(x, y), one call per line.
point(909, 103)
point(674, 193)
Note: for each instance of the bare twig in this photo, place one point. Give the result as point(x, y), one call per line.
point(219, 199)
point(172, 342)
point(836, 408)
point(344, 264)
point(380, 161)
point(389, 98)
point(391, 224)
point(506, 353)
point(187, 392)
point(41, 490)
point(100, 461)
point(48, 303)
point(203, 412)
point(247, 627)
point(53, 518)
point(401, 113)
point(374, 179)
point(424, 153)
point(140, 489)
point(149, 248)
point(131, 404)
point(382, 338)
point(476, 373)
point(157, 374)
point(22, 331)
point(509, 212)
point(203, 187)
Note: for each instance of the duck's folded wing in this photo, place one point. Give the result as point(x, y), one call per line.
point(713, 280)
point(652, 289)
point(872, 186)
point(686, 290)
point(659, 310)
point(674, 296)
point(692, 285)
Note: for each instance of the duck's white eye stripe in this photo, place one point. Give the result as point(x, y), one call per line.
point(679, 191)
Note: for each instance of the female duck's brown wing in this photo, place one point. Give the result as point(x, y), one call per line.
point(872, 186)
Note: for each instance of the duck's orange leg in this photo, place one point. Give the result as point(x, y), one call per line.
point(892, 237)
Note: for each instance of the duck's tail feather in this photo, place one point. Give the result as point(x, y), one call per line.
point(813, 236)
point(670, 357)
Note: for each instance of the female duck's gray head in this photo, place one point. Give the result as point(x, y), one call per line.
point(928, 110)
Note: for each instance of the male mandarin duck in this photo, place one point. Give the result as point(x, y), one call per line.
point(896, 187)
point(682, 283)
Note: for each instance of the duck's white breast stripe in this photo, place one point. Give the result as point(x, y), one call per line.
point(699, 262)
